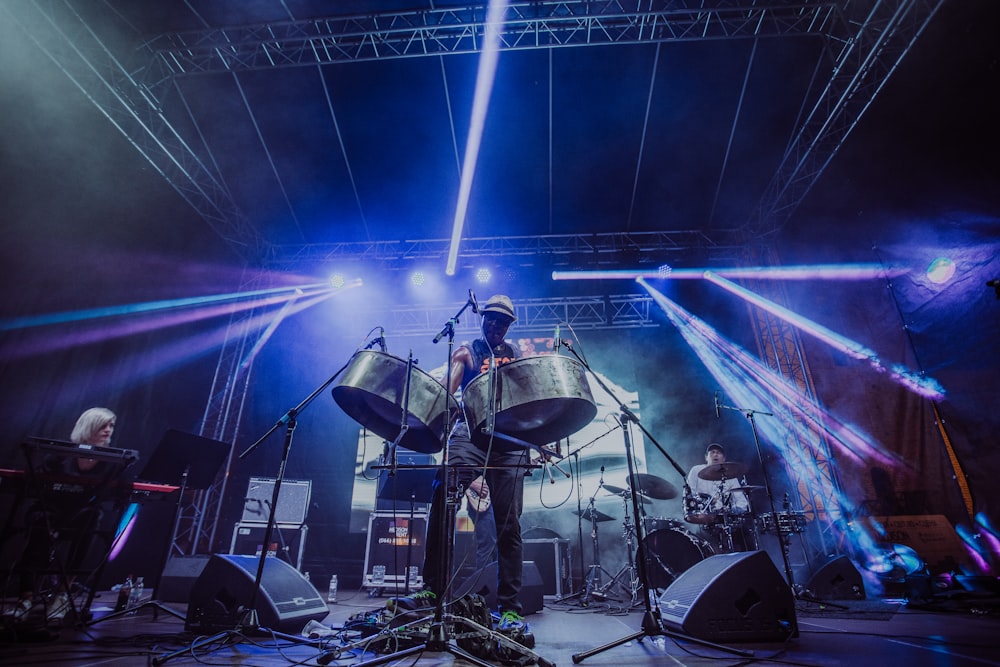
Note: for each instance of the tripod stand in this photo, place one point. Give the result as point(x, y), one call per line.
point(593, 581)
point(247, 622)
point(190, 462)
point(441, 525)
point(629, 568)
point(798, 591)
point(651, 619)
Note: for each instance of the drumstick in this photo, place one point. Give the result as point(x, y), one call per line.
point(556, 466)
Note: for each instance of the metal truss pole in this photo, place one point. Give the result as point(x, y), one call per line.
point(809, 464)
point(75, 47)
point(199, 516)
point(871, 43)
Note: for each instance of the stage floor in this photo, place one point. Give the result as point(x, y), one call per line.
point(949, 631)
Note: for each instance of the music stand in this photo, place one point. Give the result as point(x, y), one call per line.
point(413, 485)
point(189, 462)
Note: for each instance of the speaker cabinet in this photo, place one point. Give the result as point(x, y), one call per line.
point(179, 577)
point(837, 579)
point(484, 582)
point(286, 600)
point(738, 597)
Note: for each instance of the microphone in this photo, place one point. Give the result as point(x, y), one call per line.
point(717, 413)
point(473, 302)
point(380, 341)
point(557, 342)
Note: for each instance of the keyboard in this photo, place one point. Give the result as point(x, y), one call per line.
point(63, 448)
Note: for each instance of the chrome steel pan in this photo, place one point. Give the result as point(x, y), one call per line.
point(372, 391)
point(538, 400)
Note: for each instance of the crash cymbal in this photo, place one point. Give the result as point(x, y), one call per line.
point(593, 515)
point(618, 491)
point(654, 487)
point(746, 488)
point(720, 471)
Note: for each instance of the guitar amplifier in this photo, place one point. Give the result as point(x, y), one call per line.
point(293, 501)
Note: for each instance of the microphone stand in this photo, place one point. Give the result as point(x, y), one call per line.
point(798, 591)
point(248, 621)
point(651, 619)
point(439, 635)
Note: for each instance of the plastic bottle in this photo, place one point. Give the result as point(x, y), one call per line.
point(124, 591)
point(135, 595)
point(331, 595)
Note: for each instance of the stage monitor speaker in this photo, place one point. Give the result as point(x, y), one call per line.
point(837, 579)
point(286, 600)
point(484, 582)
point(179, 577)
point(738, 597)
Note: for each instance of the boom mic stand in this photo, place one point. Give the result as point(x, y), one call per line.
point(798, 591)
point(651, 620)
point(440, 636)
point(248, 620)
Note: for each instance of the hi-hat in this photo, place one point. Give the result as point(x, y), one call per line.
point(593, 515)
point(719, 471)
point(619, 491)
point(653, 486)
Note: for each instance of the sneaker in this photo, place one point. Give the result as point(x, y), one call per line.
point(511, 621)
point(58, 607)
point(23, 608)
point(421, 600)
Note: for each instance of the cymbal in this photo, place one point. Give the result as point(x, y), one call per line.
point(593, 515)
point(746, 488)
point(617, 490)
point(719, 471)
point(654, 487)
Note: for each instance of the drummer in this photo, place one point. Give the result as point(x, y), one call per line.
point(503, 483)
point(718, 497)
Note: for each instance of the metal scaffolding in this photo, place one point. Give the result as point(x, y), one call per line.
point(863, 42)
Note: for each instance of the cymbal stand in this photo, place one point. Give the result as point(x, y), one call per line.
point(593, 581)
point(652, 625)
point(440, 634)
point(634, 585)
point(726, 510)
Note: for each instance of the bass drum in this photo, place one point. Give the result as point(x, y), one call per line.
point(372, 391)
point(538, 400)
point(671, 551)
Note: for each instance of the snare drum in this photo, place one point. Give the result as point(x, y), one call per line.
point(697, 510)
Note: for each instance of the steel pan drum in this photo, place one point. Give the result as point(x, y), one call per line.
point(538, 399)
point(372, 391)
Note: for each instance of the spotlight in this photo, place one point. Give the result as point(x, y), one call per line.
point(664, 270)
point(417, 278)
point(337, 280)
point(941, 270)
point(483, 276)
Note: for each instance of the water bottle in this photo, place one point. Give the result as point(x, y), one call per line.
point(124, 592)
point(135, 595)
point(331, 595)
